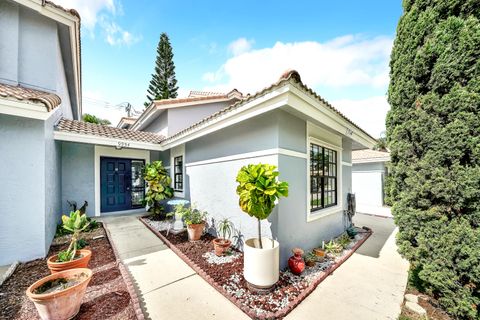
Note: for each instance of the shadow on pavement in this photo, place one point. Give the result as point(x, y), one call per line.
point(382, 229)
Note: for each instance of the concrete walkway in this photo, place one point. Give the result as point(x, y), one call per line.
point(369, 285)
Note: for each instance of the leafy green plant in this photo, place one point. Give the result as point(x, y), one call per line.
point(190, 214)
point(310, 257)
point(75, 223)
point(344, 240)
point(333, 247)
point(158, 182)
point(258, 189)
point(225, 228)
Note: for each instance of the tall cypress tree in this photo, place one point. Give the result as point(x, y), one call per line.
point(163, 84)
point(433, 132)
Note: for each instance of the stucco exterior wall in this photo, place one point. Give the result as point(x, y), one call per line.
point(53, 180)
point(78, 178)
point(368, 183)
point(159, 125)
point(22, 196)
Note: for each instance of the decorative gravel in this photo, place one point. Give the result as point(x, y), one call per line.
point(160, 225)
point(212, 258)
point(226, 275)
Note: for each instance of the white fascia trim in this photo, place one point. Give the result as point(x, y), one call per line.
point(312, 216)
point(304, 103)
point(49, 11)
point(248, 155)
point(373, 160)
point(151, 110)
point(120, 143)
point(101, 151)
point(270, 101)
point(25, 109)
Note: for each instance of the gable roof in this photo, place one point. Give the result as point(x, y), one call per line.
point(49, 100)
point(367, 155)
point(196, 93)
point(91, 129)
point(289, 76)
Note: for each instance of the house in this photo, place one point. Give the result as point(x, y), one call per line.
point(369, 171)
point(39, 84)
point(48, 156)
point(126, 122)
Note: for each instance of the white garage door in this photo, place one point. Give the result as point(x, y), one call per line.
point(367, 187)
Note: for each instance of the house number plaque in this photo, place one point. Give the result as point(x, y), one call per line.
point(123, 144)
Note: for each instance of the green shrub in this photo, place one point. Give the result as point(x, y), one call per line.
point(190, 214)
point(158, 182)
point(433, 131)
point(258, 189)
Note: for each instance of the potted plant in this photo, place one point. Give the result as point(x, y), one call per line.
point(259, 189)
point(59, 295)
point(223, 243)
point(73, 257)
point(310, 259)
point(320, 252)
point(333, 248)
point(159, 189)
point(194, 219)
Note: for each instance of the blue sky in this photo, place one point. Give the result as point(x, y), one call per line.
point(341, 49)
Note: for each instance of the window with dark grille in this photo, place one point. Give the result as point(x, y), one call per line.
point(323, 177)
point(178, 173)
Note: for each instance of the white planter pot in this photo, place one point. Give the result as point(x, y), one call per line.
point(261, 266)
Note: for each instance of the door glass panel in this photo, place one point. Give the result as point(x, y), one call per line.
point(138, 184)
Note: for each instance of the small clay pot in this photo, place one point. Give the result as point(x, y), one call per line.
point(62, 304)
point(310, 263)
point(81, 262)
point(195, 231)
point(320, 253)
point(221, 246)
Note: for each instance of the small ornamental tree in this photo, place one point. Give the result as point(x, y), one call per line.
point(75, 223)
point(433, 132)
point(158, 182)
point(258, 189)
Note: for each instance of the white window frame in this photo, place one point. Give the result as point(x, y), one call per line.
point(317, 214)
point(177, 152)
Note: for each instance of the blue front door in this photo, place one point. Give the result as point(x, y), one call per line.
point(116, 184)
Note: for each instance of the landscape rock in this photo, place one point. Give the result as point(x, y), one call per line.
point(415, 307)
point(411, 297)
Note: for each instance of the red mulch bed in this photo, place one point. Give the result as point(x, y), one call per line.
point(227, 278)
point(107, 295)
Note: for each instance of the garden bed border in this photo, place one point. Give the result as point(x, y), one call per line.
point(127, 278)
point(250, 312)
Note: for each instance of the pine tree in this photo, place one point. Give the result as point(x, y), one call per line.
point(433, 132)
point(163, 84)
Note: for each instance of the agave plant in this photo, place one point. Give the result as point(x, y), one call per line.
point(259, 189)
point(75, 223)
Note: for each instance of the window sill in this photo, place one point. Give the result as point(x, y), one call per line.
point(312, 216)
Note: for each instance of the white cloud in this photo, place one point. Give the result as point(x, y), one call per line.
point(240, 46)
point(369, 114)
point(115, 35)
point(103, 13)
point(342, 62)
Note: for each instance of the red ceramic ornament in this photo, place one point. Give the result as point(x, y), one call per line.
point(296, 263)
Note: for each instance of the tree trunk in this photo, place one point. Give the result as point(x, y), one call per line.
point(260, 233)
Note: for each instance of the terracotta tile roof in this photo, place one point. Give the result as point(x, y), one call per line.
point(74, 126)
point(370, 155)
point(291, 76)
point(128, 120)
point(234, 94)
point(49, 100)
point(195, 93)
point(73, 12)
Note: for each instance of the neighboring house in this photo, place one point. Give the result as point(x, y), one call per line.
point(369, 171)
point(126, 122)
point(203, 140)
point(39, 84)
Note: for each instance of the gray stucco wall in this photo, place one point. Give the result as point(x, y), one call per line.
point(259, 133)
point(78, 176)
point(373, 166)
point(159, 124)
point(53, 180)
point(22, 198)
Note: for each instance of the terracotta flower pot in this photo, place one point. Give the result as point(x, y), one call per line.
point(310, 263)
point(221, 246)
point(320, 253)
point(62, 304)
point(76, 263)
point(296, 263)
point(195, 231)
